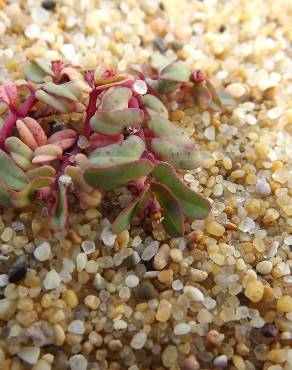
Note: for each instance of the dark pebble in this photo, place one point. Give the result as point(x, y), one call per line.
point(18, 270)
point(222, 28)
point(146, 291)
point(270, 330)
point(49, 4)
point(159, 43)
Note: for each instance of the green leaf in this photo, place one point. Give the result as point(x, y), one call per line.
point(125, 151)
point(225, 98)
point(114, 122)
point(159, 62)
point(60, 104)
point(108, 178)
point(5, 196)
point(19, 152)
point(24, 197)
point(173, 220)
point(10, 174)
point(162, 127)
point(60, 209)
point(193, 204)
point(180, 156)
point(44, 171)
point(116, 99)
point(160, 86)
point(177, 71)
point(154, 104)
point(68, 90)
point(216, 103)
point(126, 216)
point(38, 70)
point(202, 95)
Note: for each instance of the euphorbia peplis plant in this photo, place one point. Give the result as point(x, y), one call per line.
point(125, 139)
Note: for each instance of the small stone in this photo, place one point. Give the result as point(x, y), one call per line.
point(214, 228)
point(138, 341)
point(81, 261)
point(161, 258)
point(217, 258)
point(263, 188)
point(120, 325)
point(150, 251)
point(204, 316)
point(221, 362)
point(181, 329)
point(264, 267)
point(277, 356)
point(177, 285)
point(165, 276)
point(52, 280)
point(88, 246)
point(190, 363)
point(140, 87)
point(210, 133)
point(254, 291)
point(92, 302)
point(270, 331)
point(7, 308)
point(70, 297)
point(159, 43)
point(193, 293)
point(18, 270)
point(4, 280)
point(169, 356)
point(78, 362)
point(29, 354)
point(163, 311)
point(76, 327)
point(236, 90)
point(271, 215)
point(214, 338)
point(42, 252)
point(32, 31)
point(132, 281)
point(49, 4)
point(284, 304)
point(108, 237)
point(41, 365)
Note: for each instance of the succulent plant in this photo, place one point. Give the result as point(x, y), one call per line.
point(125, 139)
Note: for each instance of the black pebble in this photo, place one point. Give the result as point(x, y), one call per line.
point(49, 4)
point(18, 270)
point(270, 330)
point(222, 28)
point(159, 43)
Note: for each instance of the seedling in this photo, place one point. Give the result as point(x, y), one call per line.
point(126, 140)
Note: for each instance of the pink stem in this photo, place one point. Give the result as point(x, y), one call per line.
point(86, 131)
point(10, 121)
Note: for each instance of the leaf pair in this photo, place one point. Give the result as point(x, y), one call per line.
point(170, 75)
point(172, 144)
point(114, 115)
point(174, 197)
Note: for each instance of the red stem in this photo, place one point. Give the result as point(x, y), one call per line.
point(86, 131)
point(10, 121)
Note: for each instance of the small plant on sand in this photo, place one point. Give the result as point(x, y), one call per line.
point(116, 134)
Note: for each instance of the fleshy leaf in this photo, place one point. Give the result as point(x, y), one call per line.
point(162, 127)
point(8, 93)
point(111, 177)
point(159, 62)
point(64, 138)
point(98, 140)
point(128, 213)
point(47, 153)
point(5, 196)
point(177, 71)
point(76, 77)
point(38, 70)
point(136, 68)
point(44, 171)
point(114, 122)
point(128, 150)
point(180, 156)
point(24, 197)
point(202, 95)
point(216, 103)
point(193, 204)
point(225, 98)
point(19, 152)
point(60, 209)
point(162, 86)
point(10, 174)
point(68, 90)
point(117, 99)
point(86, 193)
point(173, 220)
point(154, 104)
point(60, 104)
point(31, 132)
